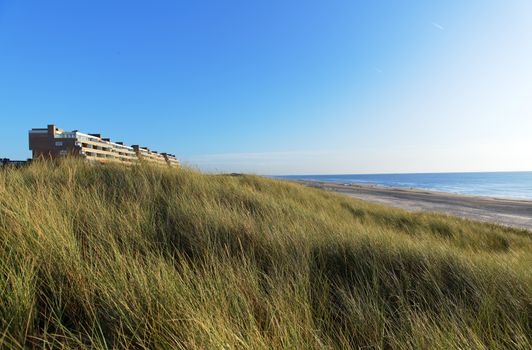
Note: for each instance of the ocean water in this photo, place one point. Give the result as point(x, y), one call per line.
point(517, 185)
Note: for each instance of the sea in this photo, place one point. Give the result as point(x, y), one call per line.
point(513, 185)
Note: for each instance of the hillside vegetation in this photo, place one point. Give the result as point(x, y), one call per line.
point(145, 258)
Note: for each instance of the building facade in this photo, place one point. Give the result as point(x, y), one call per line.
point(10, 162)
point(53, 142)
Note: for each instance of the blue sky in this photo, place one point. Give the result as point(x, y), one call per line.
point(278, 87)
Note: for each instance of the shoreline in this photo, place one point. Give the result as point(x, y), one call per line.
point(503, 211)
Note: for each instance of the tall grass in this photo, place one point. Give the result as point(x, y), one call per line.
point(144, 257)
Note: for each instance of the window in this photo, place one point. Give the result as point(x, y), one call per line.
point(58, 143)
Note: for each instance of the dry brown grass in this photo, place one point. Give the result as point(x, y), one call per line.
point(109, 257)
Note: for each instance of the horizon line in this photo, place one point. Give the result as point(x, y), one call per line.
point(411, 173)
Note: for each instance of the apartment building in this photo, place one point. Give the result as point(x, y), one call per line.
point(53, 142)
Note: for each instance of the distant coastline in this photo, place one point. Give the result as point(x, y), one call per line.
point(504, 185)
point(508, 212)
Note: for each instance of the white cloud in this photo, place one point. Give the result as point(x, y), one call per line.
point(437, 25)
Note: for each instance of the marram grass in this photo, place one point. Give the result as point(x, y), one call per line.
point(148, 258)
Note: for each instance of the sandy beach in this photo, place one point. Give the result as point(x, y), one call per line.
point(509, 212)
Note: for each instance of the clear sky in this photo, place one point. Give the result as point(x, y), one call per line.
point(278, 87)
